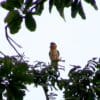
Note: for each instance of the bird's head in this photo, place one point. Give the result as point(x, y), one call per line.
point(53, 45)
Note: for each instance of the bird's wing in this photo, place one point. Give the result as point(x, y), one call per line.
point(58, 53)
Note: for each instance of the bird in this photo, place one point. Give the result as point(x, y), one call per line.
point(54, 55)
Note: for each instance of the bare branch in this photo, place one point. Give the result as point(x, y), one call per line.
point(9, 39)
point(2, 53)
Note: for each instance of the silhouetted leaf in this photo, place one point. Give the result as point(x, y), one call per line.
point(60, 7)
point(11, 15)
point(15, 25)
point(13, 19)
point(87, 72)
point(30, 22)
point(11, 4)
point(22, 67)
point(81, 11)
point(6, 67)
point(14, 92)
point(28, 3)
point(93, 3)
point(97, 75)
point(75, 67)
point(39, 9)
point(21, 1)
point(2, 88)
point(97, 90)
point(74, 8)
point(51, 2)
point(67, 3)
point(62, 83)
point(98, 66)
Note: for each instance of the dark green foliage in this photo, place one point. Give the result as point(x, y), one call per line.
point(74, 8)
point(11, 4)
point(13, 20)
point(81, 11)
point(83, 83)
point(60, 7)
point(28, 3)
point(50, 5)
point(39, 7)
point(28, 8)
point(68, 3)
point(77, 8)
point(16, 73)
point(30, 22)
point(92, 2)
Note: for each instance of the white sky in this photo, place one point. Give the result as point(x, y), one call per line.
point(78, 40)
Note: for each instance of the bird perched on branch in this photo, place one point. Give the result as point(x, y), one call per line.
point(54, 54)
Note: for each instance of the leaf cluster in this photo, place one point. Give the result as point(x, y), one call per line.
point(83, 83)
point(16, 74)
point(19, 10)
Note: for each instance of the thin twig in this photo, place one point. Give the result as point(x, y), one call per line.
point(15, 42)
point(9, 38)
point(2, 53)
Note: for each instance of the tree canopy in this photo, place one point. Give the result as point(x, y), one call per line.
point(25, 10)
point(16, 73)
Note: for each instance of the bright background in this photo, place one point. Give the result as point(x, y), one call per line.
point(78, 40)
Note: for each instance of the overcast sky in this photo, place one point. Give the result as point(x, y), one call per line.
point(78, 40)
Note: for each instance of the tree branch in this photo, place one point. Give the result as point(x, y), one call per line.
point(45, 91)
point(9, 39)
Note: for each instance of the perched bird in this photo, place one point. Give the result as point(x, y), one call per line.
point(54, 54)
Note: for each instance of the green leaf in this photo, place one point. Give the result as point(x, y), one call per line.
point(51, 2)
point(6, 67)
point(14, 92)
point(30, 22)
point(11, 4)
point(97, 90)
point(5, 5)
point(67, 3)
point(20, 68)
point(14, 20)
point(14, 29)
point(11, 16)
point(2, 88)
point(39, 7)
point(74, 8)
point(60, 7)
point(93, 3)
point(28, 4)
point(97, 75)
point(61, 84)
point(98, 66)
point(21, 1)
point(81, 11)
